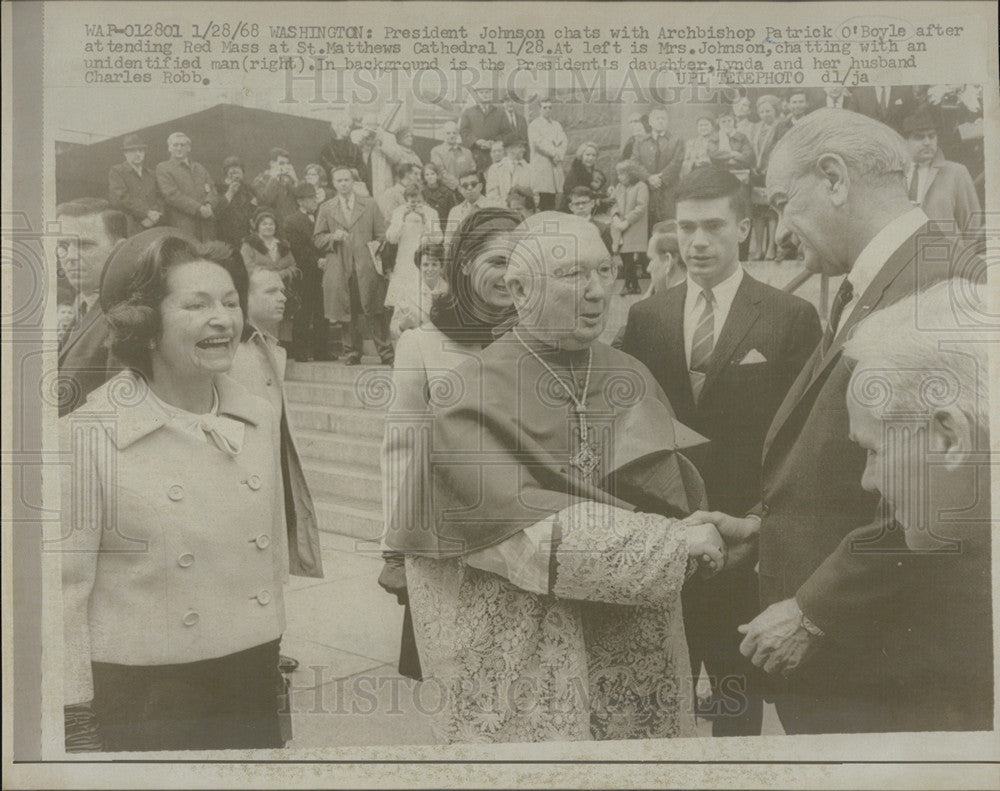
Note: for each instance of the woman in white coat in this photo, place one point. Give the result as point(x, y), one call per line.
point(172, 544)
point(412, 223)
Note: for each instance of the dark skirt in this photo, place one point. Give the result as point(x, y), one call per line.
point(227, 703)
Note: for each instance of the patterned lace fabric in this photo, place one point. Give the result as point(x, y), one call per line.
point(604, 658)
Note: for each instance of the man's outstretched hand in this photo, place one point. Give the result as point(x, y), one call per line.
point(740, 534)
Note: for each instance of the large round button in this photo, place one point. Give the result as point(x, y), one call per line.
point(264, 597)
point(176, 492)
point(263, 541)
point(191, 618)
point(254, 482)
point(185, 560)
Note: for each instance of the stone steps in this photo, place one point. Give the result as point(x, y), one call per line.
point(328, 447)
point(338, 480)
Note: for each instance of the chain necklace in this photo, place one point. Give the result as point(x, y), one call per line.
point(588, 458)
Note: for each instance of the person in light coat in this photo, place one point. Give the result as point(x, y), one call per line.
point(188, 191)
point(548, 143)
point(630, 221)
point(172, 547)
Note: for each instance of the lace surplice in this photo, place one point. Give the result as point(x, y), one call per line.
point(597, 651)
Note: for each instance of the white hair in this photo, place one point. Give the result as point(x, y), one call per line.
point(177, 136)
point(926, 352)
point(869, 148)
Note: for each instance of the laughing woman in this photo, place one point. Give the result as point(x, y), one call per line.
point(172, 544)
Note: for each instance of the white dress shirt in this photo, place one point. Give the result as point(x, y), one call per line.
point(871, 260)
point(694, 303)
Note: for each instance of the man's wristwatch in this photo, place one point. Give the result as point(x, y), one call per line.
point(810, 627)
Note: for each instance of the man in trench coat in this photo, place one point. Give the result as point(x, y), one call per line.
point(352, 288)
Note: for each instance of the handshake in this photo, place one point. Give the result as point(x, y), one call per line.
point(717, 541)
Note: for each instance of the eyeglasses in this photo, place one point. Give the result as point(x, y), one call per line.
point(468, 185)
point(606, 273)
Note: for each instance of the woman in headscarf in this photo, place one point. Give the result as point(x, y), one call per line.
point(583, 172)
point(461, 323)
point(173, 548)
point(436, 194)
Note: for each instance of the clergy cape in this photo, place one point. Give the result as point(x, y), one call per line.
point(500, 436)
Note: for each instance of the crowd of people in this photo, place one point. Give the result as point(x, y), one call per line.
point(490, 156)
point(575, 528)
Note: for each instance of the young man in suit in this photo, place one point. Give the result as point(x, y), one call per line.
point(841, 634)
point(132, 188)
point(514, 125)
point(943, 189)
point(725, 348)
point(309, 331)
point(89, 231)
point(353, 290)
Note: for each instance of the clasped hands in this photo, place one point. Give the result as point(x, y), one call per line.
point(776, 640)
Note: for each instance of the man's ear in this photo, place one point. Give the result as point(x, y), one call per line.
point(952, 434)
point(833, 169)
point(744, 228)
point(515, 286)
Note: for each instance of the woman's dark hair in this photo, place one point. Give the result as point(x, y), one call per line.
point(461, 314)
point(526, 196)
point(134, 312)
point(433, 250)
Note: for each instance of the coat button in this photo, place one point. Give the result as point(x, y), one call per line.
point(264, 597)
point(263, 541)
point(254, 482)
point(176, 492)
point(191, 618)
point(185, 560)
point(268, 382)
point(764, 509)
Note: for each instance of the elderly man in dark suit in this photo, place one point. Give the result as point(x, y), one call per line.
point(662, 155)
point(89, 231)
point(132, 188)
point(725, 348)
point(835, 587)
point(480, 125)
point(187, 190)
point(353, 290)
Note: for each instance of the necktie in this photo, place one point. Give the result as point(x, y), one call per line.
point(914, 186)
point(883, 98)
point(844, 295)
point(82, 309)
point(702, 344)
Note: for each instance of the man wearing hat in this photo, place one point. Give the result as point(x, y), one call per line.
point(309, 331)
point(943, 189)
point(132, 188)
point(238, 204)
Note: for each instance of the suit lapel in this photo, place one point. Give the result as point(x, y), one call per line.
point(743, 314)
point(673, 341)
point(92, 315)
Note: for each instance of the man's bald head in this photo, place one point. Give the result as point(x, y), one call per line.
point(559, 276)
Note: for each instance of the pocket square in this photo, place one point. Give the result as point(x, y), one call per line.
point(753, 356)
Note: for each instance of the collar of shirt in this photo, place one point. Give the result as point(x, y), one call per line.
point(871, 260)
point(88, 301)
point(139, 170)
point(694, 303)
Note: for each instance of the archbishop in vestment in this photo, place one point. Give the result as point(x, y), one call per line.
point(545, 567)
